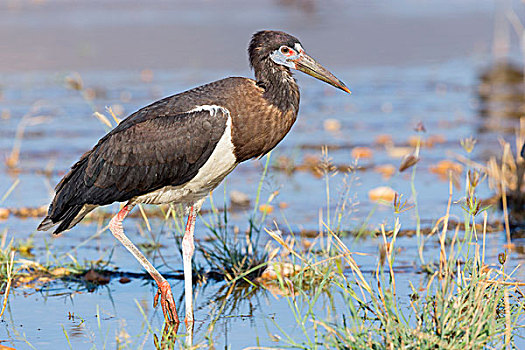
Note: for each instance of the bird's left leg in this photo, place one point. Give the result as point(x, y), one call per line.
point(167, 302)
point(188, 247)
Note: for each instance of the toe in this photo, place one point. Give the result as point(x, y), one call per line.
point(166, 301)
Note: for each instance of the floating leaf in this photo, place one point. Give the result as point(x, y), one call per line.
point(384, 139)
point(362, 152)
point(444, 166)
point(386, 170)
point(146, 75)
point(399, 152)
point(60, 271)
point(382, 193)
point(4, 213)
point(266, 208)
point(239, 199)
point(280, 269)
point(95, 277)
point(332, 125)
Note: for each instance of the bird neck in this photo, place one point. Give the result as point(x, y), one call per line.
point(280, 87)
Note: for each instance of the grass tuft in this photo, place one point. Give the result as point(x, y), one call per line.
point(464, 303)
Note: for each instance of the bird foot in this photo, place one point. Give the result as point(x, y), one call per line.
point(166, 301)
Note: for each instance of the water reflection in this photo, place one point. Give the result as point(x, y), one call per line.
point(501, 91)
point(502, 103)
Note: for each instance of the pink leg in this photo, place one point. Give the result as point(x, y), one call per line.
point(188, 248)
point(166, 297)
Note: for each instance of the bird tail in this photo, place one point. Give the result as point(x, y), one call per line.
point(46, 224)
point(63, 221)
point(68, 206)
point(67, 220)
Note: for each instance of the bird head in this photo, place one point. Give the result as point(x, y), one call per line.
point(285, 50)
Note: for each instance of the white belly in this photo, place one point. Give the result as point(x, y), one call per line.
point(221, 162)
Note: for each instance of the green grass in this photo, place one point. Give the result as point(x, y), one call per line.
point(462, 304)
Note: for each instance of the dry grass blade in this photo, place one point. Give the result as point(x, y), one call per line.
point(115, 118)
point(443, 253)
point(350, 261)
point(279, 238)
point(9, 281)
point(144, 217)
point(389, 247)
point(27, 120)
point(11, 189)
point(103, 119)
point(508, 330)
point(505, 211)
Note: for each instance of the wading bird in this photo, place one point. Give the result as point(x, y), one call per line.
point(180, 148)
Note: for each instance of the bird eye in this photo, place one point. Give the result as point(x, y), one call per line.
point(285, 50)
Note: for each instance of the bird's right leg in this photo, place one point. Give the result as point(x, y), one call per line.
point(166, 297)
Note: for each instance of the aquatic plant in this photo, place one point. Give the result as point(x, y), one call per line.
point(465, 303)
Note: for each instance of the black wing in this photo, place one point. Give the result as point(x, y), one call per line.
point(137, 158)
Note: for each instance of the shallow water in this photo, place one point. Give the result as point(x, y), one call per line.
point(452, 114)
point(387, 99)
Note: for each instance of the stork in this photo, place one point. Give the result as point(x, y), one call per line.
point(180, 148)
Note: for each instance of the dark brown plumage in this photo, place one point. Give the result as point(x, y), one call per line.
point(181, 147)
point(137, 158)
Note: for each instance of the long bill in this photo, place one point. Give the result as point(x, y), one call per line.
point(308, 65)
